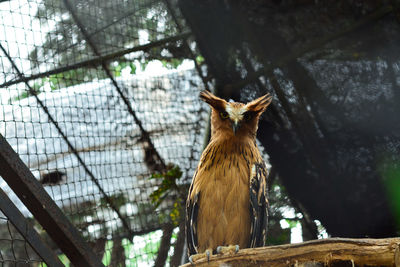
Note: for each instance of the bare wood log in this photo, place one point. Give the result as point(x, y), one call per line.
point(327, 252)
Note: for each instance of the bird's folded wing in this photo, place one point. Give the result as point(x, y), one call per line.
point(258, 205)
point(192, 209)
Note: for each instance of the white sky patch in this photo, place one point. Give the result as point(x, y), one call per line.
point(155, 68)
point(143, 37)
point(140, 243)
point(296, 233)
point(321, 230)
point(19, 31)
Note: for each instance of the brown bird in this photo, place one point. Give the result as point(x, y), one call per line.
point(227, 205)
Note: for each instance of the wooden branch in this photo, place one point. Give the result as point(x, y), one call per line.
point(327, 252)
point(179, 245)
point(165, 245)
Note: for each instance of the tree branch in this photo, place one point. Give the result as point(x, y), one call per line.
point(164, 246)
point(176, 259)
point(361, 252)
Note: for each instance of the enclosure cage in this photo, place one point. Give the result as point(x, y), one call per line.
point(101, 134)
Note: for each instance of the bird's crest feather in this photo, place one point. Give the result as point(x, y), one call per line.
point(260, 104)
point(212, 100)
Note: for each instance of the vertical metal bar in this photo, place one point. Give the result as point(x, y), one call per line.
point(69, 144)
point(27, 231)
point(47, 213)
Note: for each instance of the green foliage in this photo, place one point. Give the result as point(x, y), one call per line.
point(173, 63)
point(292, 223)
point(143, 64)
point(390, 172)
point(62, 258)
point(23, 95)
point(107, 253)
point(117, 68)
point(168, 183)
point(200, 60)
point(169, 188)
point(37, 85)
point(278, 236)
point(133, 68)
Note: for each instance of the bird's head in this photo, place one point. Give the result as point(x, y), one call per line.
point(235, 119)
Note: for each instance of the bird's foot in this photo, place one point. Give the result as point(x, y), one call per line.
point(233, 249)
point(196, 257)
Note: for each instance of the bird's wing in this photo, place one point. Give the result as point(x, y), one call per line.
point(192, 209)
point(258, 205)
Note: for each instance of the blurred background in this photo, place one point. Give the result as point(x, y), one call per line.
point(100, 100)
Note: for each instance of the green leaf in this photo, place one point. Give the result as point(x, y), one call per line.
point(175, 214)
point(133, 68)
point(292, 223)
point(172, 63)
point(199, 60)
point(168, 187)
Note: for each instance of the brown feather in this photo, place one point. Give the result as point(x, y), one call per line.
point(214, 101)
point(260, 104)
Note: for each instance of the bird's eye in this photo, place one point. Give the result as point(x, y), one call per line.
point(224, 115)
point(247, 116)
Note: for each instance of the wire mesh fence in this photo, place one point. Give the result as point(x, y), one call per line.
point(115, 146)
point(14, 249)
point(102, 136)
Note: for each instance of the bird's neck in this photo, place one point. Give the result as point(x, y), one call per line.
point(233, 140)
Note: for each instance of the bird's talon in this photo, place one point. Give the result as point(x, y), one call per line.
point(200, 256)
point(208, 255)
point(231, 249)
